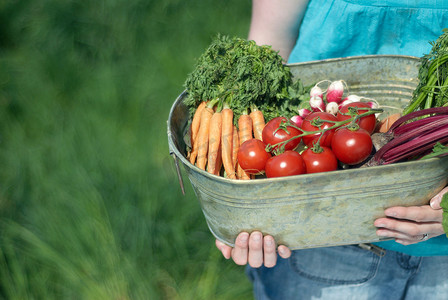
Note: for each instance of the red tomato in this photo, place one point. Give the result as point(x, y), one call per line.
point(351, 146)
point(324, 161)
point(366, 122)
point(307, 125)
point(252, 156)
point(286, 164)
point(273, 135)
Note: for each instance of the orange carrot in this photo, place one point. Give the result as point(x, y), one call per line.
point(203, 137)
point(227, 141)
point(241, 173)
point(194, 131)
point(258, 123)
point(244, 133)
point(214, 141)
point(244, 128)
point(219, 161)
point(194, 151)
point(236, 146)
point(196, 121)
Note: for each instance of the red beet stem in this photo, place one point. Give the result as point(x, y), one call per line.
point(415, 124)
point(415, 144)
point(418, 151)
point(419, 113)
point(422, 130)
point(413, 139)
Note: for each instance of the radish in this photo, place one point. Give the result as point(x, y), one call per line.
point(332, 108)
point(349, 99)
point(297, 119)
point(335, 91)
point(303, 112)
point(372, 104)
point(352, 98)
point(316, 91)
point(317, 104)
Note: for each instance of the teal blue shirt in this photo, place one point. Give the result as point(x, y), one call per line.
point(340, 28)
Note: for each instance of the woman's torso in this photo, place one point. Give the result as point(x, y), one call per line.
point(338, 28)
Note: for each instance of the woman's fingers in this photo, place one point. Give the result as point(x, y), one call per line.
point(410, 225)
point(415, 213)
point(411, 234)
point(254, 249)
point(437, 199)
point(270, 255)
point(255, 258)
point(410, 229)
point(225, 250)
point(240, 252)
point(284, 251)
point(409, 239)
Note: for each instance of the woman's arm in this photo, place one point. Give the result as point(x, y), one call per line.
point(277, 23)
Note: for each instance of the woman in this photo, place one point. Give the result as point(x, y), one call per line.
point(414, 265)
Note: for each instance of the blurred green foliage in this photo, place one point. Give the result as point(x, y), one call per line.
point(90, 206)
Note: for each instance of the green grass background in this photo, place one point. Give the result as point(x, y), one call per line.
point(90, 205)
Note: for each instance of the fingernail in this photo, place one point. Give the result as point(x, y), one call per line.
point(257, 236)
point(243, 237)
point(281, 251)
point(391, 214)
point(269, 242)
point(434, 201)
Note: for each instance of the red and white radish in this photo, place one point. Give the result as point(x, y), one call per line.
point(303, 112)
point(317, 104)
point(316, 91)
point(335, 91)
point(349, 99)
point(332, 108)
point(297, 120)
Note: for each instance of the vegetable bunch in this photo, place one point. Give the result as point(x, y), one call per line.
point(432, 90)
point(235, 85)
point(414, 135)
point(242, 74)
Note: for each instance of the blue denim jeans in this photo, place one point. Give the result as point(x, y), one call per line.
point(351, 272)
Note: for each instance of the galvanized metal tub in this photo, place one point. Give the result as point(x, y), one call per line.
point(324, 209)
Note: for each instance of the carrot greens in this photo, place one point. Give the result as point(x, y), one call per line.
point(241, 73)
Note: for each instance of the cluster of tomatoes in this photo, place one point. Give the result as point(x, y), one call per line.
point(329, 139)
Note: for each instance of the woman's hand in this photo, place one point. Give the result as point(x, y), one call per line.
point(254, 249)
point(411, 225)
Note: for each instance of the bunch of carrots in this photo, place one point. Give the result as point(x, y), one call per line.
point(215, 139)
point(245, 85)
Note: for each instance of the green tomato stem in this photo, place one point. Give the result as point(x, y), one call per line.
point(350, 123)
